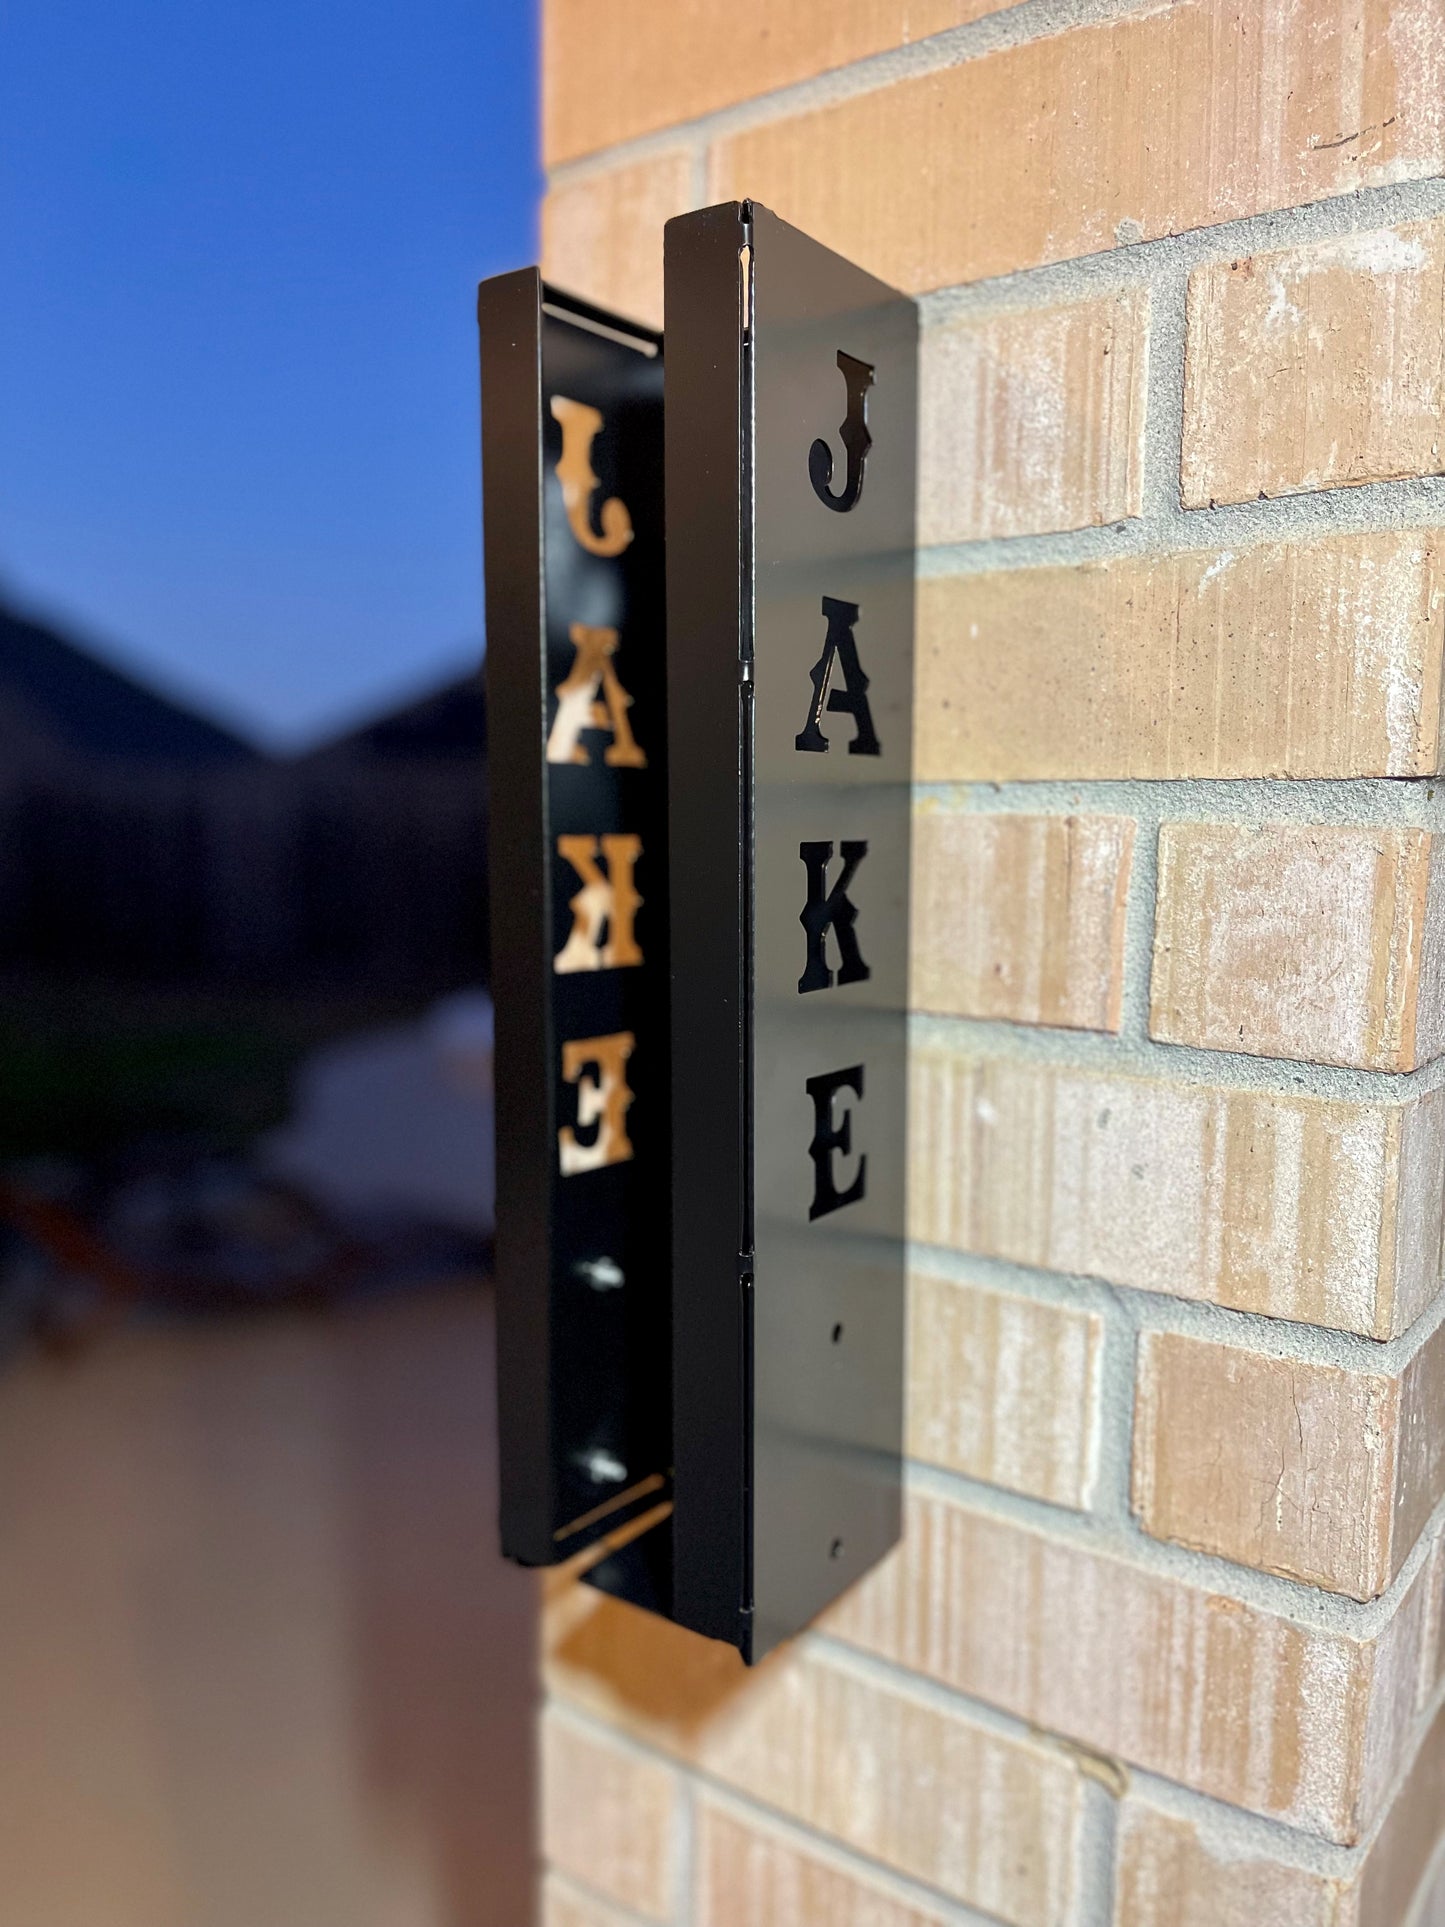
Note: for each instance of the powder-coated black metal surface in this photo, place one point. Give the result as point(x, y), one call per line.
point(573, 522)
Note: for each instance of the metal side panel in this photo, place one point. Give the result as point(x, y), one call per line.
point(707, 592)
point(572, 511)
point(790, 1122)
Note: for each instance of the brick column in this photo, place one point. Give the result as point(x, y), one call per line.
point(1164, 1645)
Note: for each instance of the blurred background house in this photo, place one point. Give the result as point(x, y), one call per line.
point(189, 929)
point(259, 1659)
point(246, 1435)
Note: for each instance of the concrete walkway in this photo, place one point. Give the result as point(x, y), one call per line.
point(260, 1665)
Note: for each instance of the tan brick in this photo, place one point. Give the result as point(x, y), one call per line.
point(1404, 1660)
point(1417, 1231)
point(567, 1906)
point(1316, 367)
point(1293, 1721)
point(1284, 1463)
point(602, 235)
point(1169, 119)
point(1003, 1388)
point(1291, 940)
point(748, 1876)
point(1432, 1898)
point(1321, 1211)
point(653, 63)
point(1183, 1872)
point(608, 1816)
point(1020, 917)
point(1400, 1854)
point(1420, 1460)
point(1171, 1875)
point(1032, 422)
point(1308, 658)
point(982, 1817)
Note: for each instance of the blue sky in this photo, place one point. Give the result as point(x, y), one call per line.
point(239, 247)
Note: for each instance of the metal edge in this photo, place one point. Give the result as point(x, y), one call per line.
point(706, 430)
point(509, 315)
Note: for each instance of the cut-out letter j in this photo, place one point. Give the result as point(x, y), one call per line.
point(858, 376)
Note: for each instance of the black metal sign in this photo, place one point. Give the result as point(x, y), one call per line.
point(573, 514)
point(700, 859)
point(790, 423)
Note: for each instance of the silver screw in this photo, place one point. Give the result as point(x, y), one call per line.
point(603, 1274)
point(602, 1467)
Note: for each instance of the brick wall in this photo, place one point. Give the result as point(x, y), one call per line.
point(1165, 1642)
